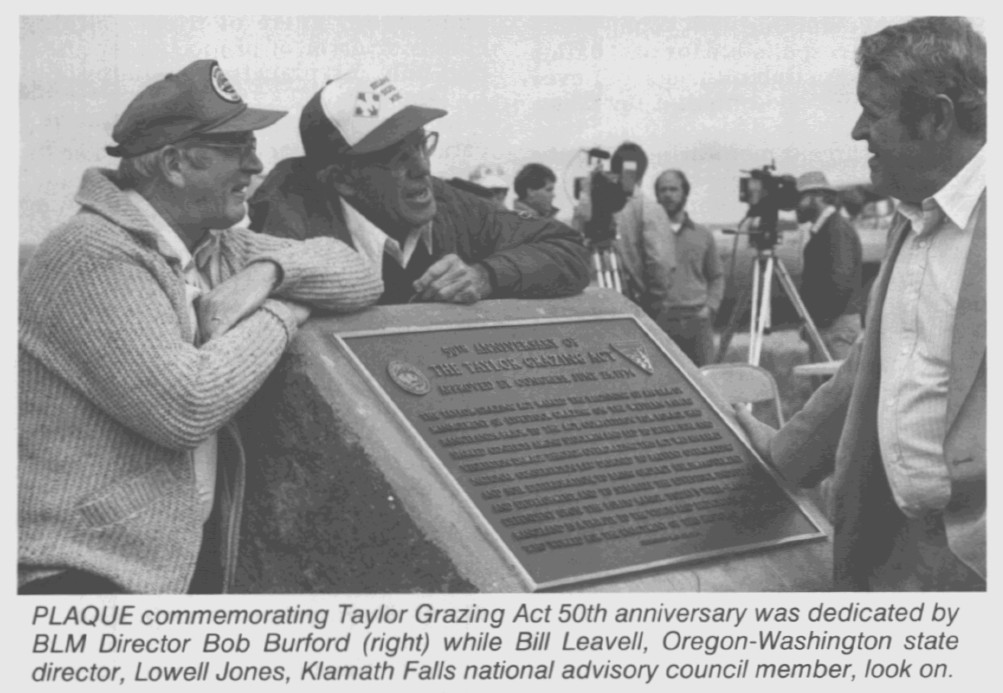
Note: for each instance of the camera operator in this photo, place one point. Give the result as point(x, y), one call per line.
point(694, 296)
point(644, 242)
point(644, 239)
point(831, 277)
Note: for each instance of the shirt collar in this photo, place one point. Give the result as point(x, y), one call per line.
point(169, 243)
point(957, 199)
point(373, 241)
point(822, 218)
point(686, 223)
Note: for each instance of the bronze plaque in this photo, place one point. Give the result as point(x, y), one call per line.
point(579, 445)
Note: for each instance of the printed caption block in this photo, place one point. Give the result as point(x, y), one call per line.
point(458, 640)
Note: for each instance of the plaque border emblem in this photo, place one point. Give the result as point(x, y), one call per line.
point(634, 353)
point(409, 378)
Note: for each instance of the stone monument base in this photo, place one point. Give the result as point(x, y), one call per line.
point(340, 499)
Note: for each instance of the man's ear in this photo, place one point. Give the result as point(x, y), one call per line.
point(340, 179)
point(172, 166)
point(941, 120)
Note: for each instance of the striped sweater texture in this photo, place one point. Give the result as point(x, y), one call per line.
point(113, 396)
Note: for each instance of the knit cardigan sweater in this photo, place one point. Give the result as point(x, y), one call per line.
point(113, 396)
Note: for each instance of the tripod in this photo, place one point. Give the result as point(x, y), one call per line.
point(607, 266)
point(757, 297)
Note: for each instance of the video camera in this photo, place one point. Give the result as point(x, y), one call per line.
point(766, 194)
point(608, 193)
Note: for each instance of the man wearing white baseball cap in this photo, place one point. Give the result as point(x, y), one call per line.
point(145, 324)
point(366, 180)
point(833, 267)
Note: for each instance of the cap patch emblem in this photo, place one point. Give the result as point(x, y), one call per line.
point(367, 105)
point(409, 378)
point(221, 85)
point(379, 92)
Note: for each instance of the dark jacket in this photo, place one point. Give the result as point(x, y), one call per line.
point(831, 278)
point(526, 258)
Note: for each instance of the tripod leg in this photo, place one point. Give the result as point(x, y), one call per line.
point(756, 329)
point(764, 312)
point(741, 303)
point(597, 265)
point(767, 308)
point(614, 271)
point(757, 270)
point(792, 294)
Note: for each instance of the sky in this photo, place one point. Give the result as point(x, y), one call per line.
point(710, 95)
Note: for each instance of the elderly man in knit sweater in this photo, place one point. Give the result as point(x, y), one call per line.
point(146, 322)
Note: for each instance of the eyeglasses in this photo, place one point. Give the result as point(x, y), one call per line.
point(245, 149)
point(399, 157)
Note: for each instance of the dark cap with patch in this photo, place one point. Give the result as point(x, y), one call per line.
point(359, 112)
point(198, 100)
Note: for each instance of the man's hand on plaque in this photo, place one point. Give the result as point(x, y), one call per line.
point(760, 434)
point(451, 280)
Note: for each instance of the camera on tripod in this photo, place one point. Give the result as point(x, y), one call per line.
point(766, 194)
point(607, 193)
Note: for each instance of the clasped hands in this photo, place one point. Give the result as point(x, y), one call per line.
point(239, 296)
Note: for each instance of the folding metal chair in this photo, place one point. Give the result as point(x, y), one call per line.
point(743, 383)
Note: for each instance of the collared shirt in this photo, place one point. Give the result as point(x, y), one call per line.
point(520, 206)
point(372, 241)
point(196, 283)
point(816, 225)
point(832, 269)
point(822, 218)
point(698, 280)
point(917, 327)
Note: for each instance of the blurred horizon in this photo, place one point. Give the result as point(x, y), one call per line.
point(709, 95)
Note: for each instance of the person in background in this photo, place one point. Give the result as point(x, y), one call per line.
point(644, 240)
point(366, 179)
point(145, 324)
point(491, 181)
point(832, 270)
point(902, 424)
point(534, 190)
point(694, 296)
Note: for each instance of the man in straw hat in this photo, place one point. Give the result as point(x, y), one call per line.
point(366, 179)
point(830, 280)
point(902, 424)
point(146, 322)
